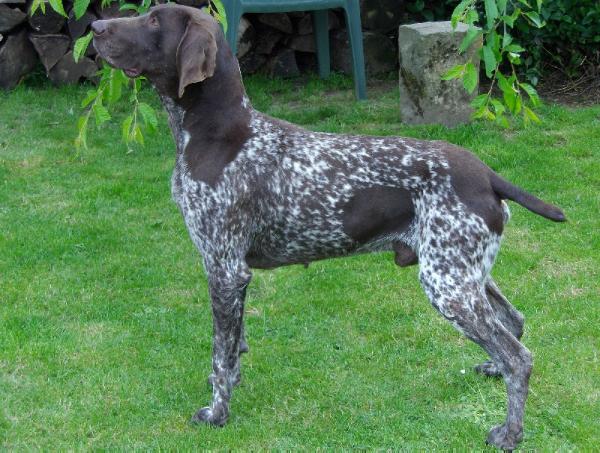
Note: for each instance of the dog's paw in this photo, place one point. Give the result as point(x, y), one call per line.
point(502, 438)
point(488, 368)
point(209, 416)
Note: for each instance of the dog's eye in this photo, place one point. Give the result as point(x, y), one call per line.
point(153, 21)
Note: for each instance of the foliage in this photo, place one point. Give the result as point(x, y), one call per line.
point(569, 41)
point(500, 55)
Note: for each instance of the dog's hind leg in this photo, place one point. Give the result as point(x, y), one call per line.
point(454, 282)
point(243, 344)
point(227, 284)
point(508, 315)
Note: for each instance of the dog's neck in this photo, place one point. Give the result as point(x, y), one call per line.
point(216, 108)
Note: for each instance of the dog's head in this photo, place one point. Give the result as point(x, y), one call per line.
point(171, 45)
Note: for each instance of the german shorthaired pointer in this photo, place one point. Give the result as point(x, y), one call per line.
point(258, 192)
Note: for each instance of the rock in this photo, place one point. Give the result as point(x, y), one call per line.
point(303, 43)
point(50, 48)
point(10, 18)
point(283, 64)
point(17, 58)
point(48, 23)
point(79, 27)
point(379, 50)
point(307, 62)
point(380, 15)
point(267, 40)
point(66, 71)
point(305, 25)
point(427, 50)
point(252, 62)
point(245, 37)
point(278, 21)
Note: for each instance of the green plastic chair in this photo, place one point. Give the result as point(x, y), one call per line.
point(235, 9)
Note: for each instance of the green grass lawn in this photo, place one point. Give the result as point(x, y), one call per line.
point(105, 329)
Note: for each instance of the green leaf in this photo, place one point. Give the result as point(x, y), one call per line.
point(490, 61)
point(115, 85)
point(502, 121)
point(518, 104)
point(510, 99)
point(514, 58)
point(501, 6)
point(510, 20)
point(506, 40)
point(454, 73)
point(470, 77)
point(81, 46)
point(484, 112)
point(79, 7)
point(90, 96)
point(479, 101)
point(535, 18)
point(504, 84)
point(532, 93)
point(101, 114)
point(145, 6)
point(498, 106)
point(514, 48)
point(539, 5)
point(126, 127)
point(221, 14)
point(128, 7)
point(470, 36)
point(491, 12)
point(57, 5)
point(458, 12)
point(137, 135)
point(149, 116)
point(529, 114)
point(472, 16)
point(81, 140)
point(35, 5)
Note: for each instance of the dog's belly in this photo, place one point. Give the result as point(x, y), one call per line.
point(308, 234)
point(293, 244)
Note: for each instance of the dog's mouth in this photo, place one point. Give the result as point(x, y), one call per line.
point(112, 56)
point(132, 72)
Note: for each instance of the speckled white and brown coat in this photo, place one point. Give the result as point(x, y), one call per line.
point(259, 192)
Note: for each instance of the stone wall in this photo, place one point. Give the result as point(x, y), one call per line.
point(276, 44)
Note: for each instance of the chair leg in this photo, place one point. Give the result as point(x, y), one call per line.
point(234, 15)
point(321, 28)
point(356, 43)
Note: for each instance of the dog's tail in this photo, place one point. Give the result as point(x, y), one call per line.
point(506, 190)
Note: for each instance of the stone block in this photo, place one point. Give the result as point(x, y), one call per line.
point(426, 51)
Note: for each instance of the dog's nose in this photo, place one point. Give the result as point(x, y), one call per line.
point(99, 26)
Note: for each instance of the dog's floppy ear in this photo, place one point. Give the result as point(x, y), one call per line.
point(196, 54)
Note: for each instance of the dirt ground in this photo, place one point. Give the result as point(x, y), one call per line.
point(584, 90)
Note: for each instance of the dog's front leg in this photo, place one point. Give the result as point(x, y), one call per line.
point(227, 285)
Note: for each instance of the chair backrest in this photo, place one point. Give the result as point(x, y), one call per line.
point(284, 5)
